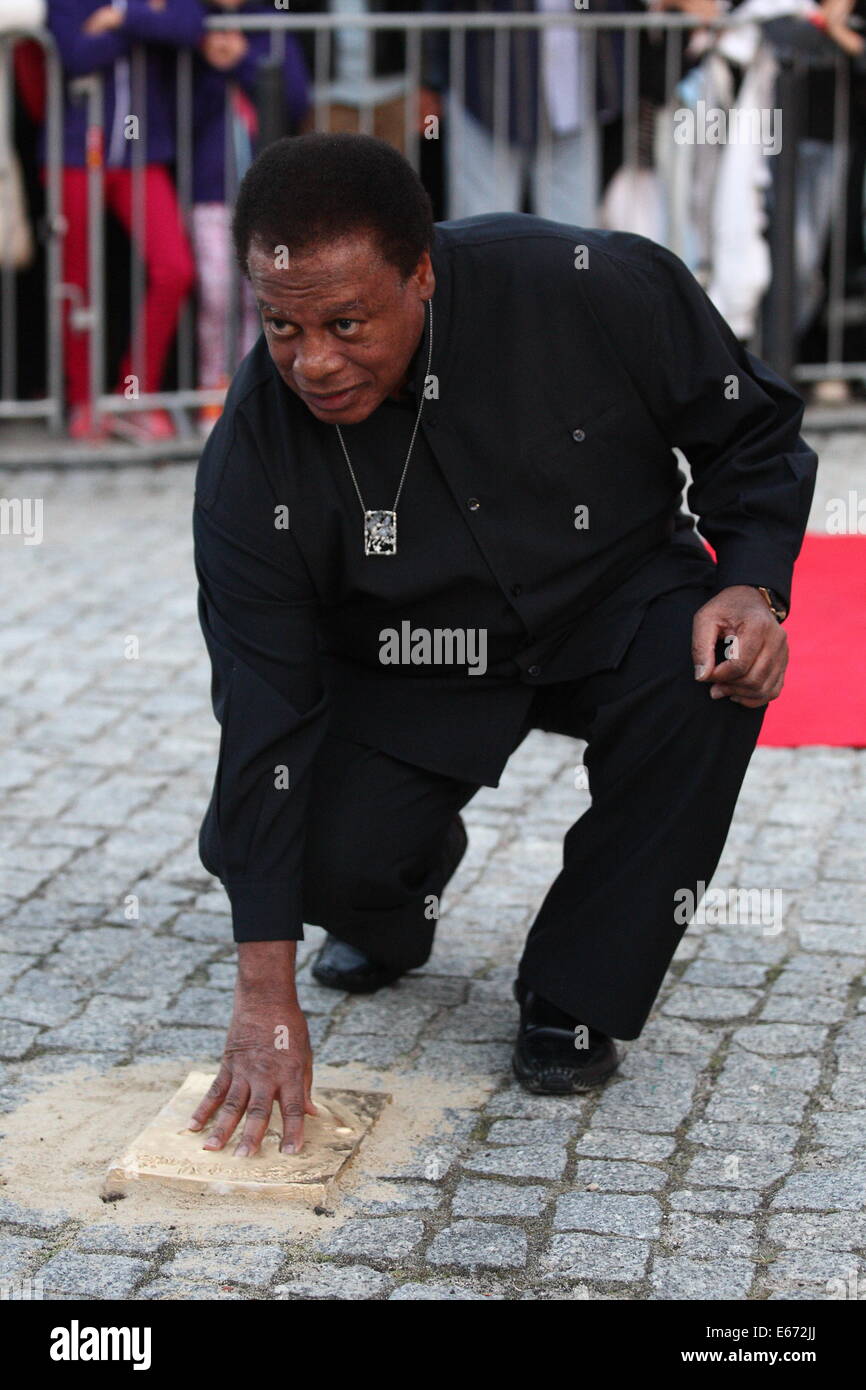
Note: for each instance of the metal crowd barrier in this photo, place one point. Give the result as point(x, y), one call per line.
point(367, 96)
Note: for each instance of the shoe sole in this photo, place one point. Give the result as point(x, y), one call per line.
point(334, 980)
point(532, 1082)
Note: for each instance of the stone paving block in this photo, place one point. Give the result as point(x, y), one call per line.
point(850, 1044)
point(479, 1243)
point(552, 1131)
point(223, 975)
point(38, 998)
point(825, 937)
point(673, 1096)
point(92, 1276)
point(742, 1137)
point(19, 1256)
point(710, 1237)
point(677, 1277)
point(682, 1071)
point(202, 926)
point(812, 1271)
point(780, 1039)
point(227, 1264)
point(441, 1293)
point(841, 1135)
point(518, 1104)
point(818, 1230)
point(358, 1047)
point(739, 944)
point(385, 1237)
point(762, 1105)
point(205, 1007)
point(702, 1002)
point(719, 973)
point(518, 1161)
point(791, 1008)
point(12, 967)
point(675, 1035)
point(18, 1215)
point(834, 901)
point(743, 1070)
point(609, 1214)
point(341, 1282)
point(652, 1119)
point(738, 1168)
point(733, 1202)
point(818, 974)
point(841, 1188)
point(397, 1196)
point(578, 1255)
point(187, 1043)
point(388, 1013)
point(161, 964)
point(16, 1039)
point(114, 1239)
point(178, 1288)
point(477, 1023)
point(624, 1143)
point(447, 1059)
point(620, 1177)
point(86, 955)
point(848, 1091)
point(105, 1022)
point(489, 1198)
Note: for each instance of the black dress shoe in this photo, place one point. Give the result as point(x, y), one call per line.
point(341, 966)
point(546, 1060)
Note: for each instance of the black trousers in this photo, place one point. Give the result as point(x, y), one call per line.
point(665, 764)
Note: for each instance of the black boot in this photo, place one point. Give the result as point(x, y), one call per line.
point(548, 1058)
point(341, 966)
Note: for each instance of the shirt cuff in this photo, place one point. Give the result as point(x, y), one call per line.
point(757, 565)
point(266, 910)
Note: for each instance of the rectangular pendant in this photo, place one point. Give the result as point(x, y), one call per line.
point(380, 533)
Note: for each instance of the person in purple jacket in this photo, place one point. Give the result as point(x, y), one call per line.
point(94, 37)
point(227, 63)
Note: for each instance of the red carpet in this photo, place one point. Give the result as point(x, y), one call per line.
point(824, 699)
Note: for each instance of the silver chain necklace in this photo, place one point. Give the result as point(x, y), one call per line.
point(380, 526)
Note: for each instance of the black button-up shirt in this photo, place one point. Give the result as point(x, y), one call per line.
point(541, 507)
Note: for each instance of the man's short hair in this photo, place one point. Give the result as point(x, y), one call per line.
point(307, 190)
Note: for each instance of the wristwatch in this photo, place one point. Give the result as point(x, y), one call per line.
point(774, 603)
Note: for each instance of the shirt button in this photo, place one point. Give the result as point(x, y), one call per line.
point(473, 504)
point(431, 421)
point(534, 671)
point(516, 589)
point(578, 436)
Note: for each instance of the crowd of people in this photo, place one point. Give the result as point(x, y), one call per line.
point(548, 131)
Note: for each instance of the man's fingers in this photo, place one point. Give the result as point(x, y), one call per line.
point(233, 1108)
point(292, 1107)
point(216, 1094)
point(705, 634)
point(761, 683)
point(259, 1113)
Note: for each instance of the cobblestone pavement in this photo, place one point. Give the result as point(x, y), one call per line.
point(727, 1158)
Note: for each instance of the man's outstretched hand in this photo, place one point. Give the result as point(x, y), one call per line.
point(756, 645)
point(267, 1055)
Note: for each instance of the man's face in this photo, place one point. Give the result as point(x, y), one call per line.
point(340, 326)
